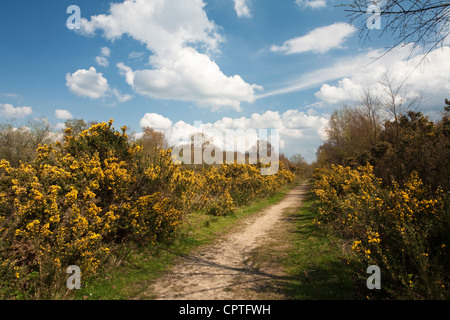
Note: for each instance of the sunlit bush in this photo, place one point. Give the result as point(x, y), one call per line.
point(403, 229)
point(95, 191)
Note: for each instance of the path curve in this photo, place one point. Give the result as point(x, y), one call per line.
point(216, 271)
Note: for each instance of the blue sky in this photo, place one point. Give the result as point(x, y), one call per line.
point(235, 64)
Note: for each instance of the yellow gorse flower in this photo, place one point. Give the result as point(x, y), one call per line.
point(93, 191)
point(394, 227)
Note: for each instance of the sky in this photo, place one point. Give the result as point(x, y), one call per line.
point(229, 64)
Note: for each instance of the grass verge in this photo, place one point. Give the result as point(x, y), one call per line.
point(308, 263)
point(131, 275)
point(317, 262)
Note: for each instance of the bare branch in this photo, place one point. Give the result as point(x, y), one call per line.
point(424, 23)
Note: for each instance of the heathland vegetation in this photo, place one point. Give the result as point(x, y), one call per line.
point(95, 197)
point(382, 183)
point(85, 199)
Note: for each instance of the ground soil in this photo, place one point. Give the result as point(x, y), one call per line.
point(242, 265)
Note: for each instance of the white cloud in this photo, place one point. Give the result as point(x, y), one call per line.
point(300, 132)
point(430, 79)
point(63, 114)
point(173, 23)
point(135, 55)
point(345, 91)
point(344, 79)
point(105, 51)
point(190, 76)
point(102, 59)
point(9, 111)
point(155, 121)
point(319, 40)
point(181, 41)
point(87, 83)
point(60, 126)
point(242, 9)
point(313, 4)
point(121, 97)
point(342, 67)
point(12, 95)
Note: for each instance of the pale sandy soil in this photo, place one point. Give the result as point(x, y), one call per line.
point(224, 270)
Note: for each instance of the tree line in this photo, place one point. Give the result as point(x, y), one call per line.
point(393, 135)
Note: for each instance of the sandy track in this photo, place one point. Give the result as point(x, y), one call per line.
point(223, 271)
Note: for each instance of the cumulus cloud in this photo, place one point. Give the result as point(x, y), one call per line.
point(340, 68)
point(429, 78)
point(63, 114)
point(91, 84)
point(346, 90)
point(300, 132)
point(345, 78)
point(155, 121)
point(181, 42)
point(242, 9)
point(87, 83)
point(9, 111)
point(194, 77)
point(319, 40)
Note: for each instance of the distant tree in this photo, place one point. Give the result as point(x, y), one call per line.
point(407, 141)
point(285, 161)
point(19, 144)
point(77, 125)
point(349, 136)
point(369, 109)
point(415, 144)
point(298, 165)
point(297, 159)
point(152, 141)
point(198, 146)
point(263, 149)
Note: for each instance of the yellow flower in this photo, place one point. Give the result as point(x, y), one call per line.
point(355, 244)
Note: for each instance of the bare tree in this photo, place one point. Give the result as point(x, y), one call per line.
point(152, 141)
point(394, 100)
point(77, 126)
point(369, 109)
point(424, 23)
point(19, 144)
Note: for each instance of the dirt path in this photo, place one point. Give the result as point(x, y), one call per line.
point(223, 270)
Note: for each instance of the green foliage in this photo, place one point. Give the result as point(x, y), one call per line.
point(403, 230)
point(83, 200)
point(389, 193)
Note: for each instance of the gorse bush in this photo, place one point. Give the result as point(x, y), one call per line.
point(96, 191)
point(401, 229)
point(384, 185)
point(78, 199)
point(231, 185)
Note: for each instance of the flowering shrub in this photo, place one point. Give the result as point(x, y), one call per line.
point(230, 185)
point(95, 191)
point(79, 198)
point(402, 229)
